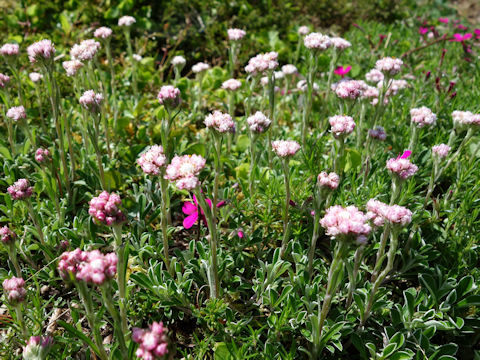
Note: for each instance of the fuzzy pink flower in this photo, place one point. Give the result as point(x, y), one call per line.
point(152, 341)
point(7, 236)
point(303, 30)
point(423, 30)
point(379, 213)
point(179, 61)
point(258, 122)
point(341, 125)
point(152, 160)
point(103, 32)
point(443, 20)
point(376, 211)
point(72, 66)
point(14, 289)
point(9, 50)
point(401, 167)
point(37, 347)
point(91, 101)
point(342, 71)
point(285, 148)
point(105, 209)
point(4, 80)
point(85, 51)
point(377, 133)
point(340, 43)
point(423, 116)
point(328, 180)
point(262, 62)
point(350, 89)
point(461, 37)
point(441, 151)
point(374, 76)
point(169, 96)
point(17, 113)
point(349, 221)
point(200, 67)
point(231, 84)
point(317, 41)
point(389, 65)
point(289, 69)
point(40, 51)
point(372, 93)
point(126, 21)
point(42, 155)
point(463, 117)
point(220, 122)
point(35, 77)
point(192, 211)
point(236, 34)
point(20, 190)
point(184, 171)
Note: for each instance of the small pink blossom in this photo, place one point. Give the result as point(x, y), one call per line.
point(35, 77)
point(4, 80)
point(423, 30)
point(42, 155)
point(17, 113)
point(40, 51)
point(350, 89)
point(7, 236)
point(231, 84)
point(236, 34)
point(103, 32)
point(340, 43)
point(152, 341)
point(9, 50)
point(37, 347)
point(341, 125)
point(85, 51)
point(191, 210)
point(220, 122)
point(14, 289)
point(380, 212)
point(169, 96)
point(389, 65)
point(423, 116)
point(258, 122)
point(200, 67)
point(91, 101)
point(303, 30)
point(152, 160)
point(441, 151)
point(349, 221)
point(317, 41)
point(72, 66)
point(328, 180)
point(461, 37)
point(262, 62)
point(126, 21)
point(342, 71)
point(179, 61)
point(289, 69)
point(20, 190)
point(184, 171)
point(443, 20)
point(401, 167)
point(285, 148)
point(105, 209)
point(374, 76)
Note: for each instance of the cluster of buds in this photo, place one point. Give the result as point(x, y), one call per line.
point(4, 80)
point(37, 348)
point(379, 212)
point(152, 160)
point(389, 65)
point(105, 209)
point(303, 30)
point(42, 155)
point(220, 122)
point(9, 50)
point(20, 190)
point(85, 51)
point(377, 133)
point(401, 166)
point(72, 67)
point(340, 43)
point(169, 96)
point(103, 32)
point(35, 77)
point(236, 34)
point(200, 67)
point(17, 113)
point(184, 171)
point(441, 151)
point(262, 62)
point(350, 89)
point(179, 62)
point(465, 118)
point(289, 69)
point(93, 267)
point(231, 84)
point(328, 180)
point(423, 116)
point(341, 125)
point(345, 222)
point(7, 236)
point(374, 76)
point(41, 51)
point(152, 341)
point(14, 289)
point(91, 101)
point(317, 41)
point(126, 21)
point(285, 148)
point(258, 122)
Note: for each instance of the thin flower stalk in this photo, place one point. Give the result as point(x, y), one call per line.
point(133, 63)
point(121, 251)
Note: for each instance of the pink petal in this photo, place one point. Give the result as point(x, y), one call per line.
point(188, 208)
point(240, 234)
point(190, 220)
point(406, 154)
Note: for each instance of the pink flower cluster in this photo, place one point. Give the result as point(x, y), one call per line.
point(41, 50)
point(423, 116)
point(289, 69)
point(37, 347)
point(236, 34)
point(231, 84)
point(258, 122)
point(328, 180)
point(7, 236)
point(16, 113)
point(105, 209)
point(126, 21)
point(9, 50)
point(169, 96)
point(4, 80)
point(389, 65)
point(72, 66)
point(350, 89)
point(42, 155)
point(379, 212)
point(374, 76)
point(262, 62)
point(220, 122)
point(20, 190)
point(371, 92)
point(152, 341)
point(35, 77)
point(91, 101)
point(401, 167)
point(378, 133)
point(441, 150)
point(85, 51)
point(317, 41)
point(341, 125)
point(285, 148)
point(152, 160)
point(14, 289)
point(179, 61)
point(465, 118)
point(200, 67)
point(103, 32)
point(349, 221)
point(303, 30)
point(184, 171)
point(90, 266)
point(340, 43)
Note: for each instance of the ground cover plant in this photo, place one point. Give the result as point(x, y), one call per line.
point(309, 196)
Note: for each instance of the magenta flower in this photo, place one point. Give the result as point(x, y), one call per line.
point(152, 341)
point(7, 236)
point(169, 96)
point(461, 38)
point(443, 20)
point(14, 288)
point(37, 347)
point(105, 209)
point(423, 30)
point(477, 33)
point(462, 27)
point(4, 80)
point(191, 210)
point(20, 190)
point(342, 71)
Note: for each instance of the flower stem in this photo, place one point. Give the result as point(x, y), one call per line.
point(133, 63)
point(356, 266)
point(12, 254)
point(120, 249)
point(286, 225)
point(21, 320)
point(164, 221)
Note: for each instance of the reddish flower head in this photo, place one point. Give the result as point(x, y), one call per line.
point(342, 71)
